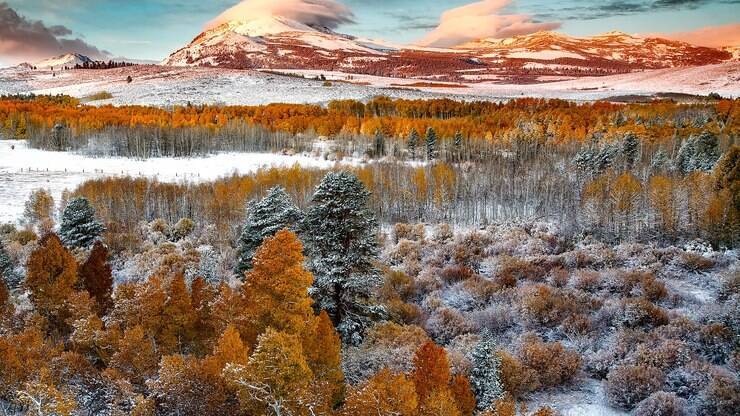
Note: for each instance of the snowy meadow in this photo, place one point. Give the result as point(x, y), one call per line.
point(23, 170)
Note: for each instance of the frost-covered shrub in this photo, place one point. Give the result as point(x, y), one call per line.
point(481, 289)
point(517, 378)
point(511, 270)
point(636, 312)
point(469, 249)
point(443, 233)
point(386, 345)
point(577, 324)
point(446, 323)
point(664, 356)
point(662, 404)
point(404, 252)
point(182, 229)
point(411, 232)
point(587, 280)
point(427, 282)
point(694, 262)
point(628, 385)
point(543, 305)
point(716, 342)
point(553, 364)
point(559, 277)
point(456, 273)
point(730, 286)
point(615, 348)
point(458, 353)
point(721, 396)
point(458, 298)
point(496, 317)
point(689, 380)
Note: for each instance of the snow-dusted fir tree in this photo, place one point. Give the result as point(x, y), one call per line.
point(660, 161)
point(706, 152)
point(485, 375)
point(630, 149)
point(339, 233)
point(7, 269)
point(265, 218)
point(412, 142)
point(698, 153)
point(79, 227)
point(431, 143)
point(584, 160)
point(605, 158)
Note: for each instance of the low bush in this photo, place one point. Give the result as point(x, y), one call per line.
point(628, 385)
point(553, 364)
point(662, 404)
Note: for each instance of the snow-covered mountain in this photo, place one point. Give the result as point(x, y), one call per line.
point(68, 60)
point(276, 42)
point(267, 42)
point(616, 49)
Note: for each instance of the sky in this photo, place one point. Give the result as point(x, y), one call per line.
point(152, 29)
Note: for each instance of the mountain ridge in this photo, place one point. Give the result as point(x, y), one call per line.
point(277, 42)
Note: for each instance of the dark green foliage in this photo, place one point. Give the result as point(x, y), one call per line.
point(339, 233)
point(266, 217)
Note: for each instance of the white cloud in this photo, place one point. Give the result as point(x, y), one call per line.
point(481, 20)
point(324, 13)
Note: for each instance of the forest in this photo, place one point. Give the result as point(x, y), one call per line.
point(472, 258)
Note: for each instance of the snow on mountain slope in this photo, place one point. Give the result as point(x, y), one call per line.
point(275, 42)
point(63, 61)
point(616, 49)
point(266, 42)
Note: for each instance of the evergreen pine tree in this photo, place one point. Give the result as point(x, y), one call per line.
point(584, 160)
point(79, 227)
point(685, 155)
point(706, 152)
point(485, 378)
point(431, 142)
point(660, 160)
point(412, 142)
point(630, 147)
point(604, 159)
point(7, 269)
point(339, 234)
point(265, 218)
point(698, 153)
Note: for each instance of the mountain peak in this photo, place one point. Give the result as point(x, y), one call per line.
point(65, 60)
point(268, 25)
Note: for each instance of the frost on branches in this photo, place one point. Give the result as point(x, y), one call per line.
point(698, 153)
point(485, 373)
point(339, 234)
point(79, 227)
point(265, 218)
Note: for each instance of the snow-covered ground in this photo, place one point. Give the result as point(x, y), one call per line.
point(23, 170)
point(162, 86)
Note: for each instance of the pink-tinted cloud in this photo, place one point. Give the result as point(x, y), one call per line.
point(322, 13)
point(481, 20)
point(25, 40)
point(712, 36)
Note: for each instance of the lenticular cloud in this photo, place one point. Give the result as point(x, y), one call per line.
point(324, 13)
point(481, 20)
